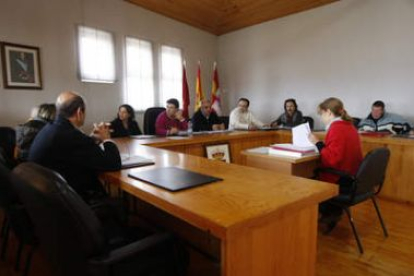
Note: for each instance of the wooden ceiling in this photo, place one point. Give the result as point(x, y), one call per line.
point(223, 16)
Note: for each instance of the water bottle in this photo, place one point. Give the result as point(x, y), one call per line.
point(190, 128)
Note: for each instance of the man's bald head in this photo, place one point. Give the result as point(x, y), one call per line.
point(206, 107)
point(68, 103)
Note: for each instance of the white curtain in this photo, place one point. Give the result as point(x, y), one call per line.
point(139, 74)
point(97, 55)
point(171, 74)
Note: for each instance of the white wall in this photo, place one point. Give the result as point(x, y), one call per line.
point(357, 50)
point(51, 25)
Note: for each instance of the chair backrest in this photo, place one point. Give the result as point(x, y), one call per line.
point(355, 121)
point(8, 141)
point(7, 194)
point(5, 160)
point(67, 228)
point(371, 173)
point(150, 116)
point(225, 121)
point(307, 119)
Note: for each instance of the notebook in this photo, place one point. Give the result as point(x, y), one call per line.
point(405, 136)
point(142, 137)
point(172, 178)
point(267, 128)
point(135, 161)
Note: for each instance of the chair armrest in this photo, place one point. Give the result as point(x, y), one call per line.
point(130, 250)
point(334, 171)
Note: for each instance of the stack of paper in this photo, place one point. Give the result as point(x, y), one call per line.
point(300, 135)
point(290, 150)
point(301, 145)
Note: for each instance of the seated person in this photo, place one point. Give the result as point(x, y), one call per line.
point(379, 120)
point(125, 125)
point(26, 133)
point(340, 151)
point(79, 158)
point(206, 119)
point(33, 112)
point(170, 121)
point(243, 119)
point(291, 117)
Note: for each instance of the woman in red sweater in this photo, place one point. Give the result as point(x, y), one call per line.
point(340, 151)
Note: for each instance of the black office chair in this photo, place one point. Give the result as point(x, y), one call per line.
point(366, 184)
point(8, 142)
point(225, 121)
point(307, 119)
point(355, 121)
point(72, 235)
point(150, 116)
point(16, 220)
point(7, 198)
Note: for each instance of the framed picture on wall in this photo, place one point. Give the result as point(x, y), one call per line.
point(220, 152)
point(20, 66)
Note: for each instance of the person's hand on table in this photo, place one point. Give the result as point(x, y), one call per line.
point(173, 131)
point(101, 132)
point(252, 127)
point(312, 138)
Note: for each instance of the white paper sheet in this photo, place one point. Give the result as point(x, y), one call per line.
point(300, 135)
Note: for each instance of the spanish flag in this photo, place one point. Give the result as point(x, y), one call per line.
point(215, 92)
point(199, 91)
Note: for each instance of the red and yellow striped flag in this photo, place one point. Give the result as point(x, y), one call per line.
point(199, 91)
point(215, 92)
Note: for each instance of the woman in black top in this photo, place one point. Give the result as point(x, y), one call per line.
point(26, 133)
point(125, 124)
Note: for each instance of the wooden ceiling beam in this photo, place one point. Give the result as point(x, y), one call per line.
point(223, 16)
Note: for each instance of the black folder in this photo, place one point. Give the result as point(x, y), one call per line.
point(172, 178)
point(135, 161)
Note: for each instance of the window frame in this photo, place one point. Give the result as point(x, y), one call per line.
point(154, 71)
point(79, 66)
point(159, 56)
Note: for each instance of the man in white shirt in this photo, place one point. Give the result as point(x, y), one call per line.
point(242, 118)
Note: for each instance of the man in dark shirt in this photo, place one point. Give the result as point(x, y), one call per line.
point(64, 148)
point(206, 119)
point(291, 117)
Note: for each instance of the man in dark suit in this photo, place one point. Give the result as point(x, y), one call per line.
point(206, 119)
point(64, 148)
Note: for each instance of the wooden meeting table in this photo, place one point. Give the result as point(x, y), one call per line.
point(255, 222)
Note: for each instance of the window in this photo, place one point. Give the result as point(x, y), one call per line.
point(96, 55)
point(171, 74)
point(139, 74)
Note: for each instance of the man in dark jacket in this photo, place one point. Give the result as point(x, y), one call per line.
point(206, 119)
point(291, 117)
point(64, 148)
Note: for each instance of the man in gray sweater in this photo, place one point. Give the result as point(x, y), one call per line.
point(381, 121)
